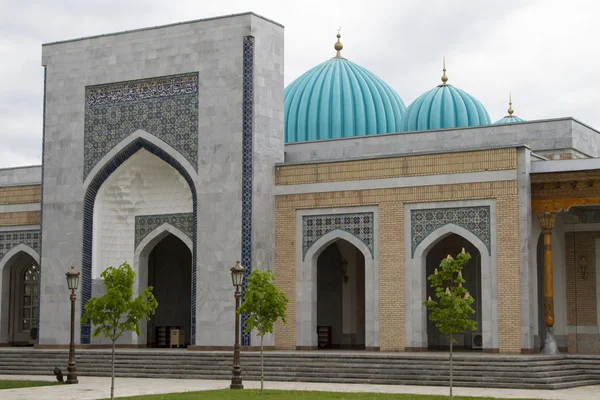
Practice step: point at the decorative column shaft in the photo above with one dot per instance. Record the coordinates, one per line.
(547, 223)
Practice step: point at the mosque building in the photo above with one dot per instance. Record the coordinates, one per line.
(177, 149)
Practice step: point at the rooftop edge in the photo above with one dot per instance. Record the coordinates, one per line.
(163, 26)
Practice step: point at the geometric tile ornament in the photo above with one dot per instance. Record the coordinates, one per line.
(247, 148)
(145, 224)
(88, 222)
(358, 224)
(474, 219)
(166, 107)
(10, 239)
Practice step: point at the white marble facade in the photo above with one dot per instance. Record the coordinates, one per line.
(214, 51)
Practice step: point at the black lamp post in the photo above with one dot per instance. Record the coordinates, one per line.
(72, 283)
(237, 277)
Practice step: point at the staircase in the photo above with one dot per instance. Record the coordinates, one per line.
(474, 370)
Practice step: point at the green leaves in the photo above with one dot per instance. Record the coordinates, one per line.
(117, 311)
(264, 303)
(452, 311)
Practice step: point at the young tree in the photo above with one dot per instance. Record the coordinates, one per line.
(264, 304)
(452, 312)
(117, 311)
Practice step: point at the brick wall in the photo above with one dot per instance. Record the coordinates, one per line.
(20, 194)
(391, 229)
(13, 195)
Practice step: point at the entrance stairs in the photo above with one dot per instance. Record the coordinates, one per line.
(474, 370)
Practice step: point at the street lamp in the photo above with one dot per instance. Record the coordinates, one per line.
(72, 283)
(237, 278)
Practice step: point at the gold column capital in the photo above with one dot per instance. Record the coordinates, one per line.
(547, 221)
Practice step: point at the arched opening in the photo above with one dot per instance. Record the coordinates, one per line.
(20, 292)
(135, 182)
(341, 297)
(453, 244)
(169, 273)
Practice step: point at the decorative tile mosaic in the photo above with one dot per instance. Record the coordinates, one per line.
(42, 192)
(10, 239)
(88, 221)
(144, 224)
(247, 131)
(474, 219)
(166, 107)
(314, 227)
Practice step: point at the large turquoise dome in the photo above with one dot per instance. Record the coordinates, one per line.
(339, 98)
(444, 106)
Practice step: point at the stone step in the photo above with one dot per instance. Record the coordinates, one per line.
(478, 371)
(563, 385)
(493, 371)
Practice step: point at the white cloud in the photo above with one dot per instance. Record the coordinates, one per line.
(542, 50)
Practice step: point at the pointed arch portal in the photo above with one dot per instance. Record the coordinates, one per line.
(19, 296)
(164, 153)
(416, 332)
(307, 309)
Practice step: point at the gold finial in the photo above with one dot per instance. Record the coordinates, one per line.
(444, 77)
(338, 46)
(510, 109)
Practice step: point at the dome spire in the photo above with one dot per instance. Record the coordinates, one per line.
(338, 46)
(444, 77)
(510, 109)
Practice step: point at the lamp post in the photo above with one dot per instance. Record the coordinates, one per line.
(237, 277)
(72, 283)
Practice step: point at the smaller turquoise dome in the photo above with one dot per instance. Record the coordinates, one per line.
(510, 118)
(444, 106)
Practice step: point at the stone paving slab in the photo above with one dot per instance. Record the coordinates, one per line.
(93, 388)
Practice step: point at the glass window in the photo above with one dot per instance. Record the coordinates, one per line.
(29, 312)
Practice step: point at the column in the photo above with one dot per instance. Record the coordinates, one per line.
(547, 224)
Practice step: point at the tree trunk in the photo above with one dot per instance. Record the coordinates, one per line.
(112, 374)
(262, 373)
(451, 340)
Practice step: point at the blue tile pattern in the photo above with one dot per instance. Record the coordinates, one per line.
(166, 107)
(88, 221)
(247, 132)
(10, 239)
(42, 198)
(476, 220)
(360, 225)
(145, 224)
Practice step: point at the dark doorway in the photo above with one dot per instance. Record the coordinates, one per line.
(341, 297)
(453, 244)
(169, 273)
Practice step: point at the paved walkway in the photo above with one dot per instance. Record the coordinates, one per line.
(92, 388)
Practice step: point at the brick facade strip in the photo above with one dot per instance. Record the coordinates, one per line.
(20, 218)
(20, 194)
(406, 166)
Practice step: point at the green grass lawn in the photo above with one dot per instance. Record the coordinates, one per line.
(24, 384)
(289, 395)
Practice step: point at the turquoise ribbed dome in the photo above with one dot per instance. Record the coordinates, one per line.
(444, 106)
(509, 119)
(338, 98)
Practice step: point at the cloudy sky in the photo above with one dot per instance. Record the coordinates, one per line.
(544, 51)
